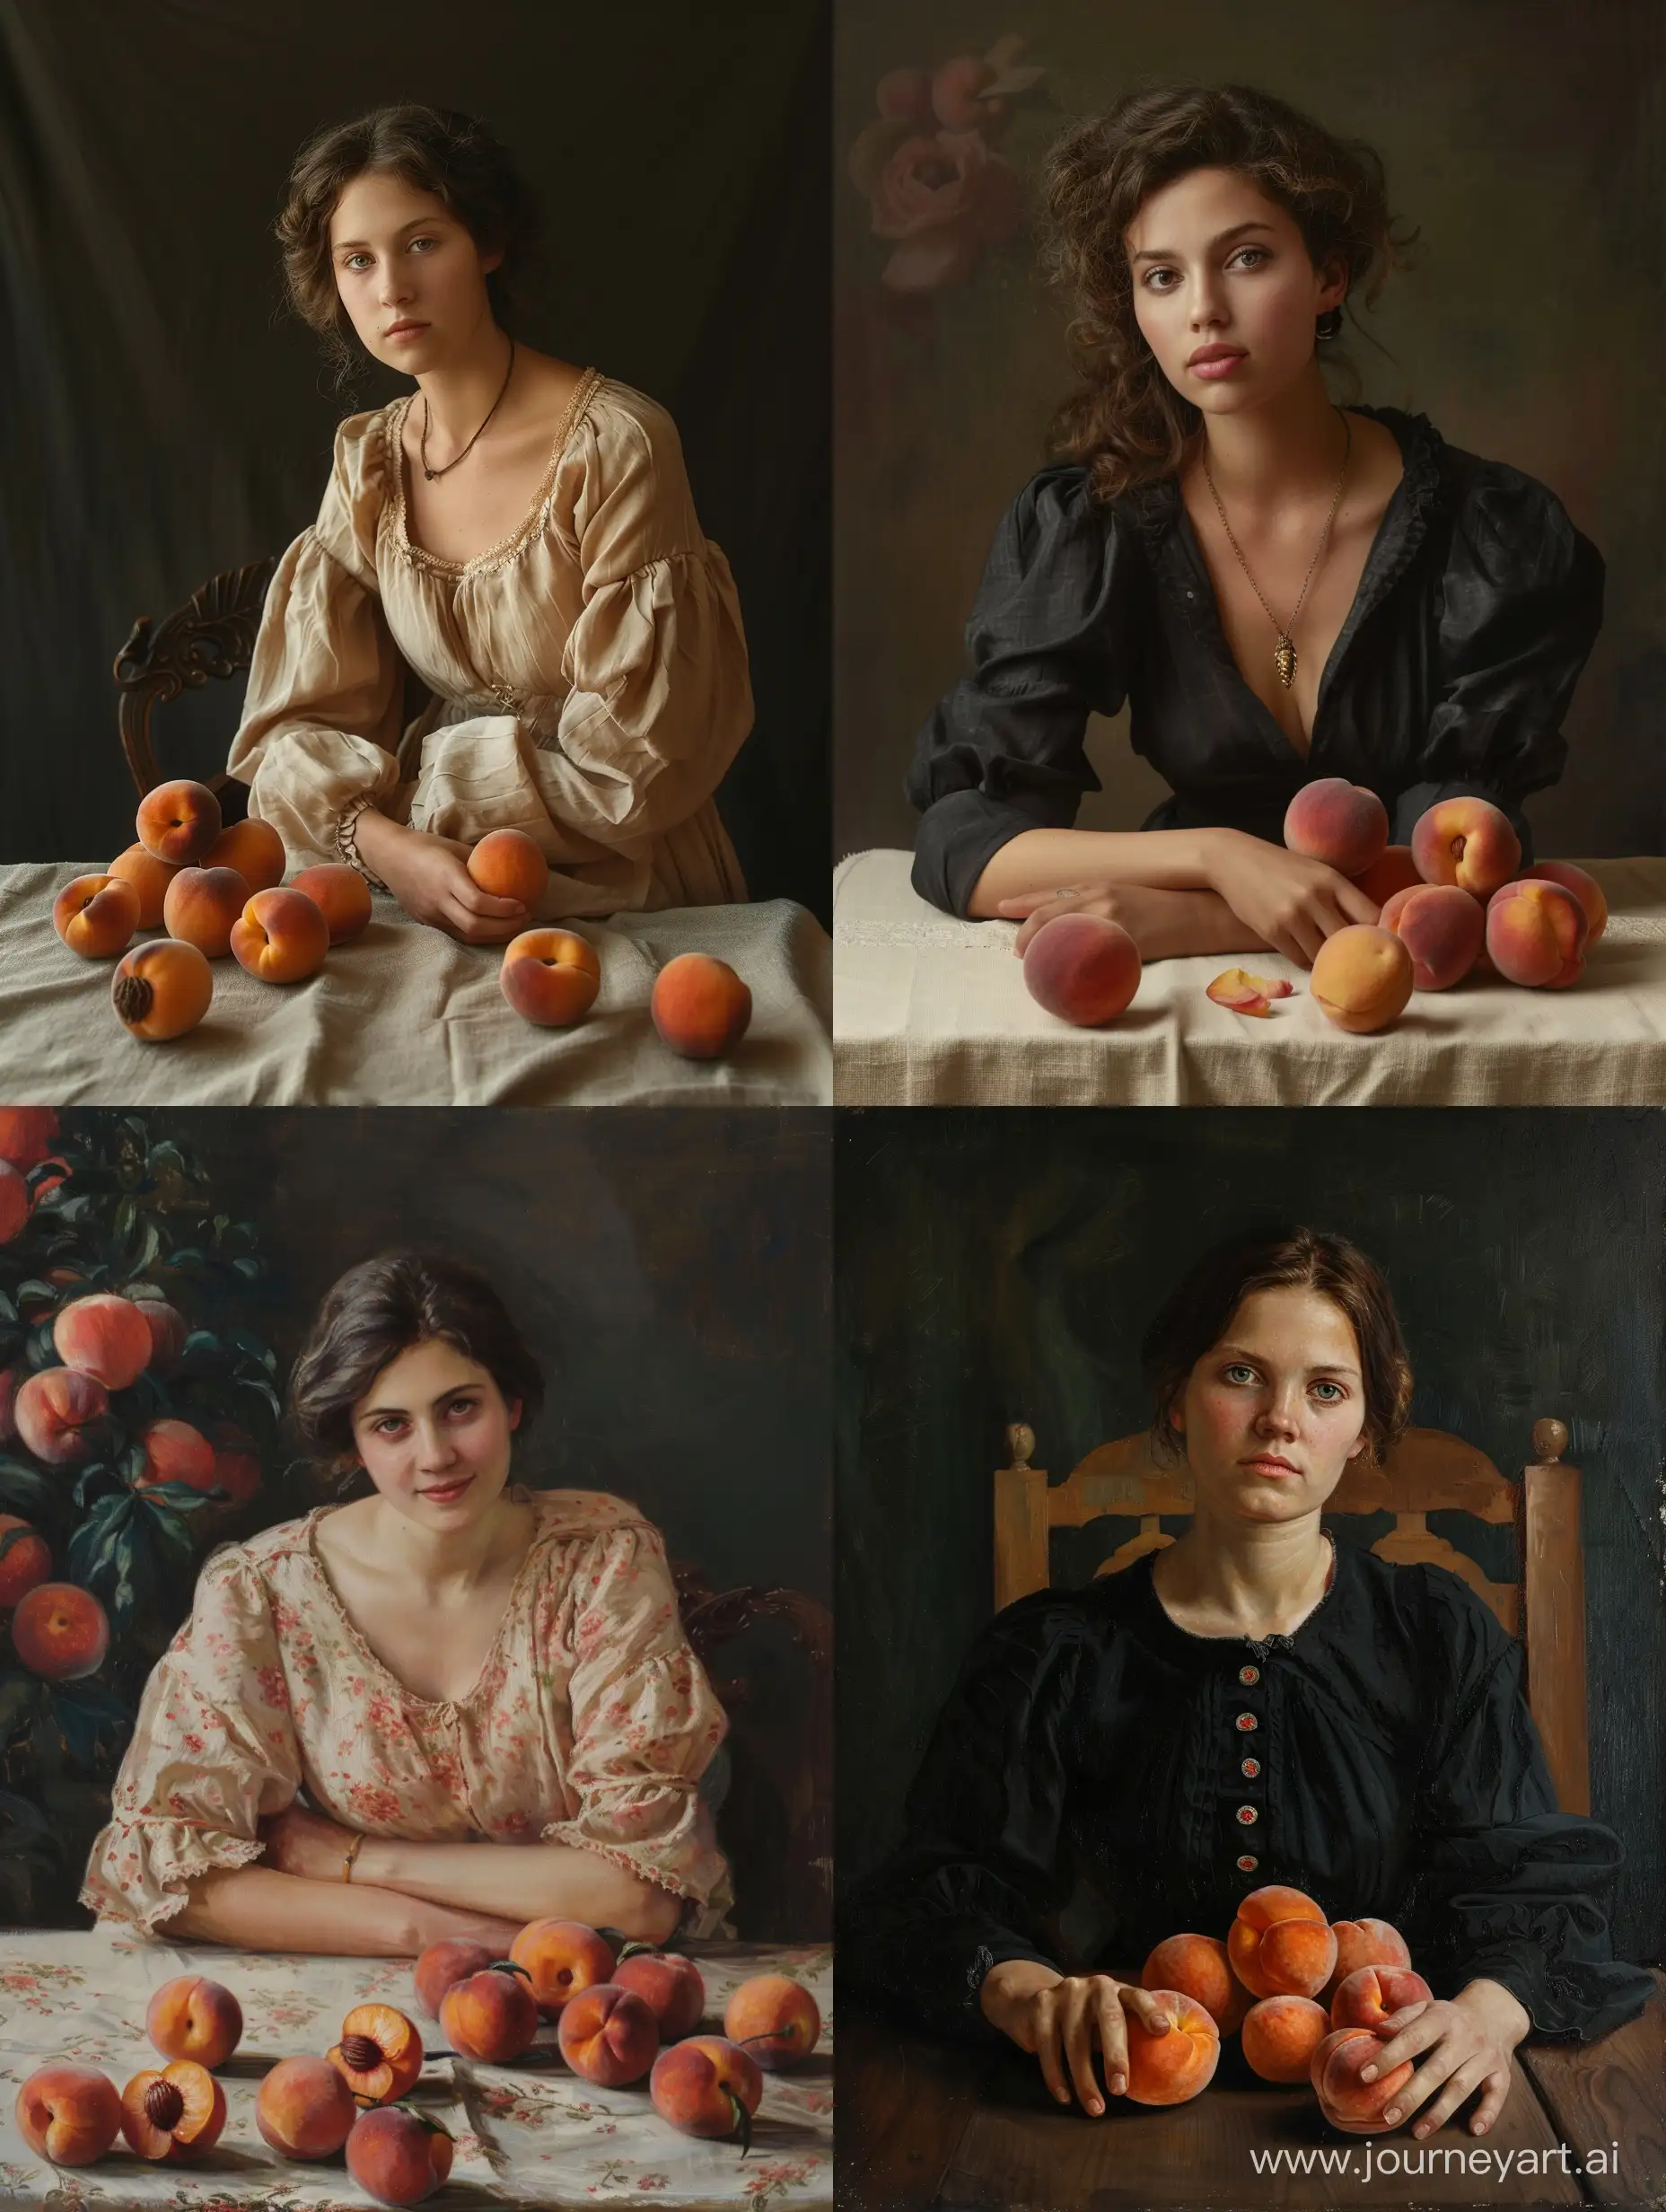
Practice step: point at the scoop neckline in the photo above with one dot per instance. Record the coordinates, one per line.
(1261, 1645)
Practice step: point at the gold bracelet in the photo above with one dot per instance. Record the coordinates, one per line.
(352, 1853)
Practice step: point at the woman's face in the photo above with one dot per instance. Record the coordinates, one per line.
(1275, 1411)
(433, 1434)
(401, 258)
(1223, 290)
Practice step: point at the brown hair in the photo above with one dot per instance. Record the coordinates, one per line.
(1125, 420)
(1196, 1315)
(383, 1307)
(437, 150)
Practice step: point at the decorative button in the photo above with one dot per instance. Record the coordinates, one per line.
(1249, 1676)
(1248, 1816)
(1245, 1723)
(1250, 1768)
(1248, 1864)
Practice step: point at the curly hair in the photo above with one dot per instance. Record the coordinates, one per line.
(1197, 1314)
(1126, 421)
(437, 150)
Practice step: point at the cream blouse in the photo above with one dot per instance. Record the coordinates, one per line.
(589, 673)
(591, 1724)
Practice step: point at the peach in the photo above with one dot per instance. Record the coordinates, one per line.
(1083, 968)
(1585, 888)
(1345, 825)
(700, 1007)
(175, 1452)
(202, 906)
(254, 849)
(1363, 1941)
(562, 1957)
(1198, 1967)
(707, 2086)
(670, 1985)
(341, 896)
(1170, 2067)
(178, 821)
(68, 2113)
(550, 975)
(168, 1333)
(1441, 928)
(27, 1134)
(60, 1631)
(11, 1378)
(174, 2115)
(1537, 933)
(1354, 2106)
(236, 1463)
(104, 1336)
(1280, 2036)
(150, 877)
(492, 2015)
(25, 1558)
(161, 989)
(56, 1414)
(380, 2055)
(398, 2157)
(1396, 870)
(1365, 1998)
(444, 1962)
(608, 2034)
(96, 916)
(1362, 978)
(280, 936)
(1468, 842)
(775, 2019)
(14, 1202)
(1280, 1942)
(192, 2017)
(509, 865)
(304, 2108)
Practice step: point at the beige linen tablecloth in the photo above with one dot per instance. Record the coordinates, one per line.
(406, 1016)
(930, 1011)
(529, 2134)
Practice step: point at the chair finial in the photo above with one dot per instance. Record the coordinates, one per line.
(1021, 1441)
(1549, 1440)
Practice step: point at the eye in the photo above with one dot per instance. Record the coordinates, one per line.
(351, 258)
(463, 1408)
(1239, 1371)
(389, 1424)
(424, 241)
(1257, 254)
(1151, 275)
(1336, 1390)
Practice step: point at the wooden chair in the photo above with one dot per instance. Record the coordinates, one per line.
(212, 634)
(1428, 1471)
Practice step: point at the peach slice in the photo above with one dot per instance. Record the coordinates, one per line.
(608, 2035)
(1280, 2036)
(60, 1631)
(104, 1336)
(707, 2086)
(68, 2113)
(1280, 1943)
(1354, 2106)
(1083, 968)
(1198, 1967)
(304, 2108)
(178, 821)
(1173, 2067)
(96, 916)
(380, 2055)
(1363, 977)
(399, 2155)
(192, 2017)
(254, 849)
(58, 1413)
(562, 1957)
(670, 1985)
(1244, 993)
(341, 896)
(150, 877)
(162, 989)
(550, 975)
(1344, 824)
(280, 936)
(509, 865)
(175, 2115)
(776, 2018)
(25, 1559)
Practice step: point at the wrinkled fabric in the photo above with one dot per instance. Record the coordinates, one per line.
(590, 1722)
(1400, 1777)
(589, 672)
(1477, 609)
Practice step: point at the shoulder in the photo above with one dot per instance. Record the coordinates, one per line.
(259, 1555)
(363, 448)
(1058, 509)
(625, 420)
(1500, 514)
(590, 1516)
(1437, 1610)
(1042, 1637)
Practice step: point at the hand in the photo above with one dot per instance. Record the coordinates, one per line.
(429, 877)
(1164, 924)
(1112, 902)
(299, 1842)
(1061, 2017)
(434, 1924)
(1468, 2039)
(1292, 903)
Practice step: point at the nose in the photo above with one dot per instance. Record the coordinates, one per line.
(394, 290)
(1279, 1413)
(435, 1449)
(1208, 310)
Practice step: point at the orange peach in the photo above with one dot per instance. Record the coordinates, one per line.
(509, 865)
(25, 1558)
(27, 1134)
(1169, 2067)
(254, 849)
(280, 936)
(1441, 928)
(1280, 1942)
(1083, 968)
(178, 821)
(1354, 2106)
(60, 1631)
(700, 1007)
(175, 2114)
(1365, 1998)
(1198, 1967)
(1363, 1941)
(1537, 933)
(1280, 2036)
(1362, 978)
(104, 1336)
(201, 907)
(192, 2017)
(341, 896)
(380, 2055)
(175, 1452)
(161, 989)
(444, 1962)
(608, 2035)
(168, 1333)
(16, 1205)
(776, 2018)
(670, 1985)
(304, 2108)
(491, 2016)
(96, 916)
(68, 2113)
(236, 1463)
(399, 2155)
(150, 877)
(550, 975)
(56, 1413)
(707, 2086)
(1586, 889)
(1344, 824)
(562, 1957)
(1468, 842)
(1396, 870)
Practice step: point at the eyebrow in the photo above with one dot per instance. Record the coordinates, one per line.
(1165, 253)
(417, 223)
(402, 1413)
(1323, 1366)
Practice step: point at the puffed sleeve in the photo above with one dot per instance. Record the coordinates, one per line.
(645, 1721)
(214, 1751)
(321, 729)
(1048, 645)
(1521, 604)
(979, 1863)
(1509, 1889)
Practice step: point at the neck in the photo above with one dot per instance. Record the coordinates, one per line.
(462, 394)
(439, 1565)
(1257, 1574)
(1291, 447)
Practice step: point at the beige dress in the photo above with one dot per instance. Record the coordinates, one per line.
(589, 673)
(591, 1724)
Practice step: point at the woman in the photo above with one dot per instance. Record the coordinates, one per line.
(484, 1691)
(1253, 1704)
(518, 534)
(1280, 589)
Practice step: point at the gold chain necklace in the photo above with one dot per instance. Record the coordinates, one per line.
(423, 441)
(1285, 653)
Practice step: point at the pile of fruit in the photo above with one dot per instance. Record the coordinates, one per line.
(620, 2018)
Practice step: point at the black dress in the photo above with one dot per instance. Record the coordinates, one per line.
(1381, 1758)
(1477, 609)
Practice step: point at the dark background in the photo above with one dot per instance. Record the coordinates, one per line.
(166, 419)
(1003, 1266)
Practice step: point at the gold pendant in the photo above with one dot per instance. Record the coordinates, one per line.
(1285, 661)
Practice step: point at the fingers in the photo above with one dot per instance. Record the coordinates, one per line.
(1113, 2036)
(1079, 2022)
(482, 929)
(1027, 901)
(1496, 2095)
(1401, 2040)
(1047, 2023)
(1038, 919)
(1354, 903)
(1457, 2086)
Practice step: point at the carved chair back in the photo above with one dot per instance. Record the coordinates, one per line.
(213, 634)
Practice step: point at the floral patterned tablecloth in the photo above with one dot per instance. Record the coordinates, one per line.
(527, 2135)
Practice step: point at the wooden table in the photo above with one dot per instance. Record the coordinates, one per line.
(925, 2123)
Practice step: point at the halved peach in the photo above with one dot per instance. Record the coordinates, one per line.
(173, 2116)
(380, 2055)
(161, 989)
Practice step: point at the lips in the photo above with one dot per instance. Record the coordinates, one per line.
(1206, 354)
(446, 1491)
(405, 329)
(1269, 1463)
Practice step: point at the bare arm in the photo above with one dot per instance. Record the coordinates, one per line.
(1044, 859)
(256, 1909)
(527, 1880)
(429, 877)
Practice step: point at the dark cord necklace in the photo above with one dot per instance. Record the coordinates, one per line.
(423, 445)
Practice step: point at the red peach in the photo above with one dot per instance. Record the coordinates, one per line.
(254, 849)
(1586, 889)
(1365, 1942)
(96, 916)
(1170, 2067)
(776, 2018)
(1362, 978)
(1280, 2036)
(700, 1007)
(68, 2113)
(608, 2034)
(1345, 825)
(1365, 1998)
(161, 989)
(1280, 1942)
(27, 1134)
(150, 877)
(168, 1333)
(56, 1411)
(1395, 871)
(202, 906)
(1354, 2106)
(1083, 968)
(1537, 933)
(508, 863)
(175, 1452)
(707, 2086)
(341, 896)
(398, 2156)
(60, 1632)
(670, 1985)
(280, 936)
(1468, 842)
(14, 1202)
(550, 975)
(104, 1336)
(443, 1963)
(25, 1558)
(491, 2016)
(304, 2108)
(1441, 928)
(236, 1463)
(192, 2017)
(563, 1957)
(1198, 1967)
(178, 821)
